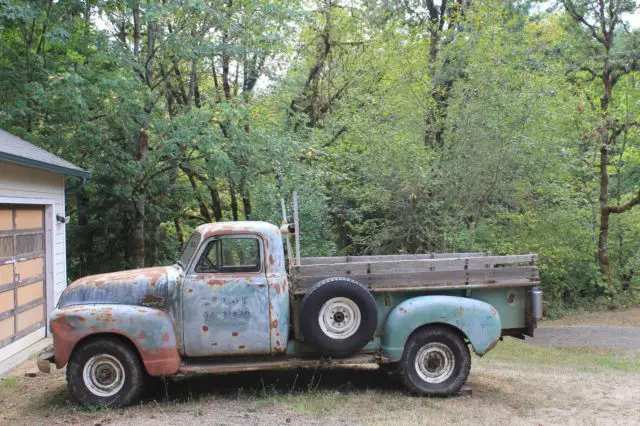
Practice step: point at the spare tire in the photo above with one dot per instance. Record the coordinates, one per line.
(338, 316)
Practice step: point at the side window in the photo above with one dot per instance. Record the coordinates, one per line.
(240, 255)
(230, 255)
(209, 260)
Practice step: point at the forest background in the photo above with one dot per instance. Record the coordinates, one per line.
(406, 126)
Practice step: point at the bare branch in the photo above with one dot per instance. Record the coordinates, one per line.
(571, 10)
(626, 206)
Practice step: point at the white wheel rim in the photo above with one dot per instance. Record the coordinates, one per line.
(435, 362)
(103, 375)
(339, 318)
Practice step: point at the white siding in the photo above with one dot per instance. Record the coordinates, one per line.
(28, 183)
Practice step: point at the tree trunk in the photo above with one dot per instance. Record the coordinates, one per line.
(234, 198)
(139, 203)
(179, 233)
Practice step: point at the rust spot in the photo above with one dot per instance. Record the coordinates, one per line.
(241, 347)
(205, 328)
(165, 337)
(215, 282)
(274, 324)
(81, 319)
(277, 334)
(151, 300)
(106, 315)
(190, 290)
(403, 310)
(234, 334)
(510, 298)
(214, 344)
(140, 336)
(272, 259)
(278, 343)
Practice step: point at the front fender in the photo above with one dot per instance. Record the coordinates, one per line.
(150, 330)
(479, 321)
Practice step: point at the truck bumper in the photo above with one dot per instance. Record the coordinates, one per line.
(45, 358)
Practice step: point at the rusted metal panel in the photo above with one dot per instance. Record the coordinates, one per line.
(226, 314)
(150, 330)
(364, 362)
(239, 313)
(479, 321)
(144, 287)
(278, 313)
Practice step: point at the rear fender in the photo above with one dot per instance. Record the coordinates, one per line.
(478, 321)
(150, 330)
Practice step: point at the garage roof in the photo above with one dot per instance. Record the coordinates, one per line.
(18, 151)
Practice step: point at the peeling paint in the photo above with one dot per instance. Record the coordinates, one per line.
(153, 336)
(467, 315)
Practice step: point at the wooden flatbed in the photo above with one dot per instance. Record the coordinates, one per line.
(419, 271)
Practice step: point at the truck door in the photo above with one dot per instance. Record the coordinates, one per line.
(225, 307)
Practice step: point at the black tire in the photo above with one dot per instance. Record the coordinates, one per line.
(356, 295)
(102, 352)
(438, 344)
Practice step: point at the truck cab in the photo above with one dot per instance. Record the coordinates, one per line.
(229, 304)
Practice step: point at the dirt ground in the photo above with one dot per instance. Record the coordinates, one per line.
(517, 383)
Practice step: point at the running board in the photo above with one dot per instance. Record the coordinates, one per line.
(358, 362)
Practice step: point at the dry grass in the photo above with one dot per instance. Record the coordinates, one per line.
(622, 318)
(515, 384)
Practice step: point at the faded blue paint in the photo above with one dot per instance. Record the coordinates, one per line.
(509, 302)
(225, 314)
(143, 287)
(150, 330)
(479, 321)
(278, 312)
(237, 313)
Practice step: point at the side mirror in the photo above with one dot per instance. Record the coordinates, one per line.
(288, 229)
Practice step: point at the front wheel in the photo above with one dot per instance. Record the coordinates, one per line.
(105, 372)
(436, 362)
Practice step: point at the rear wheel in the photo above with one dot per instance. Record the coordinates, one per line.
(105, 372)
(436, 362)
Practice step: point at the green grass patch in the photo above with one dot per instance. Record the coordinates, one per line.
(583, 358)
(8, 384)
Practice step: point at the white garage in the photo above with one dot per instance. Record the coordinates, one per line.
(32, 240)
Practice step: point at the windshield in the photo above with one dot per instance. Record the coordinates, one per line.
(189, 249)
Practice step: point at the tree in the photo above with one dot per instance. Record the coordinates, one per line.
(603, 73)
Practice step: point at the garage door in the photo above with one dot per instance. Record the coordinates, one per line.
(22, 276)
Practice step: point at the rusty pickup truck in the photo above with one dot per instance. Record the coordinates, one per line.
(231, 304)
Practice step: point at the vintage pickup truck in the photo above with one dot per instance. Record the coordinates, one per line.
(230, 305)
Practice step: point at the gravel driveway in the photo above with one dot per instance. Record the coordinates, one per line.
(619, 338)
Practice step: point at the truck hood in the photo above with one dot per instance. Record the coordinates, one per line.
(144, 287)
